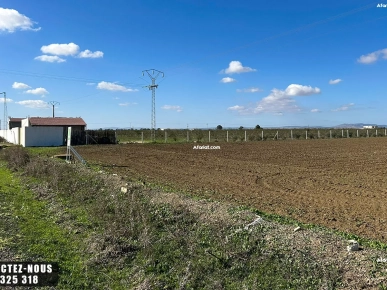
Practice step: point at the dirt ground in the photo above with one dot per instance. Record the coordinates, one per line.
(339, 183)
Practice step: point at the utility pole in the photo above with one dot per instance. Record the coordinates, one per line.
(53, 103)
(153, 87)
(5, 111)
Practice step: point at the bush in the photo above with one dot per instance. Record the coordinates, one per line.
(16, 157)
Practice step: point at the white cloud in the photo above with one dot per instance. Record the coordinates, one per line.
(60, 49)
(89, 54)
(174, 108)
(344, 107)
(279, 100)
(11, 20)
(17, 85)
(35, 104)
(127, 104)
(315, 111)
(236, 67)
(334, 82)
(236, 108)
(37, 91)
(90, 84)
(50, 58)
(7, 100)
(373, 56)
(114, 87)
(299, 90)
(249, 90)
(227, 80)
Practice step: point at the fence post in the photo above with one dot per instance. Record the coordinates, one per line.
(291, 134)
(209, 136)
(142, 137)
(227, 136)
(187, 136)
(277, 135)
(245, 137)
(306, 134)
(262, 135)
(330, 134)
(367, 133)
(342, 133)
(347, 134)
(318, 134)
(165, 136)
(376, 132)
(357, 133)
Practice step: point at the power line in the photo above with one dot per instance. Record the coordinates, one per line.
(66, 78)
(289, 32)
(153, 87)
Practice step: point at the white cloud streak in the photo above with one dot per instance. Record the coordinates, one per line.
(373, 56)
(114, 87)
(89, 54)
(60, 49)
(227, 80)
(173, 108)
(19, 86)
(236, 67)
(34, 104)
(335, 82)
(11, 20)
(126, 104)
(315, 111)
(344, 107)
(278, 100)
(236, 108)
(8, 100)
(37, 91)
(249, 90)
(50, 58)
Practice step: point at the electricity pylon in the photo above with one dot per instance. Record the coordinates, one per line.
(5, 111)
(53, 103)
(153, 87)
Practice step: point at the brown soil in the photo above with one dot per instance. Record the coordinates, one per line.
(339, 184)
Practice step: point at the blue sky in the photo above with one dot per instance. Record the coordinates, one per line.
(234, 63)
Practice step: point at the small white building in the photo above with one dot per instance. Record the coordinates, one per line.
(369, 127)
(36, 131)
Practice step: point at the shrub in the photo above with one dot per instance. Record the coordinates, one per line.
(16, 157)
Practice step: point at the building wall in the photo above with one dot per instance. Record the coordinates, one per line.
(41, 136)
(12, 136)
(25, 122)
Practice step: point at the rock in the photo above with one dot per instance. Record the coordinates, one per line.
(124, 189)
(258, 220)
(353, 246)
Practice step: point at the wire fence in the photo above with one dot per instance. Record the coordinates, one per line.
(242, 135)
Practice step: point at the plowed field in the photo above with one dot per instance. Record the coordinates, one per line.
(340, 183)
